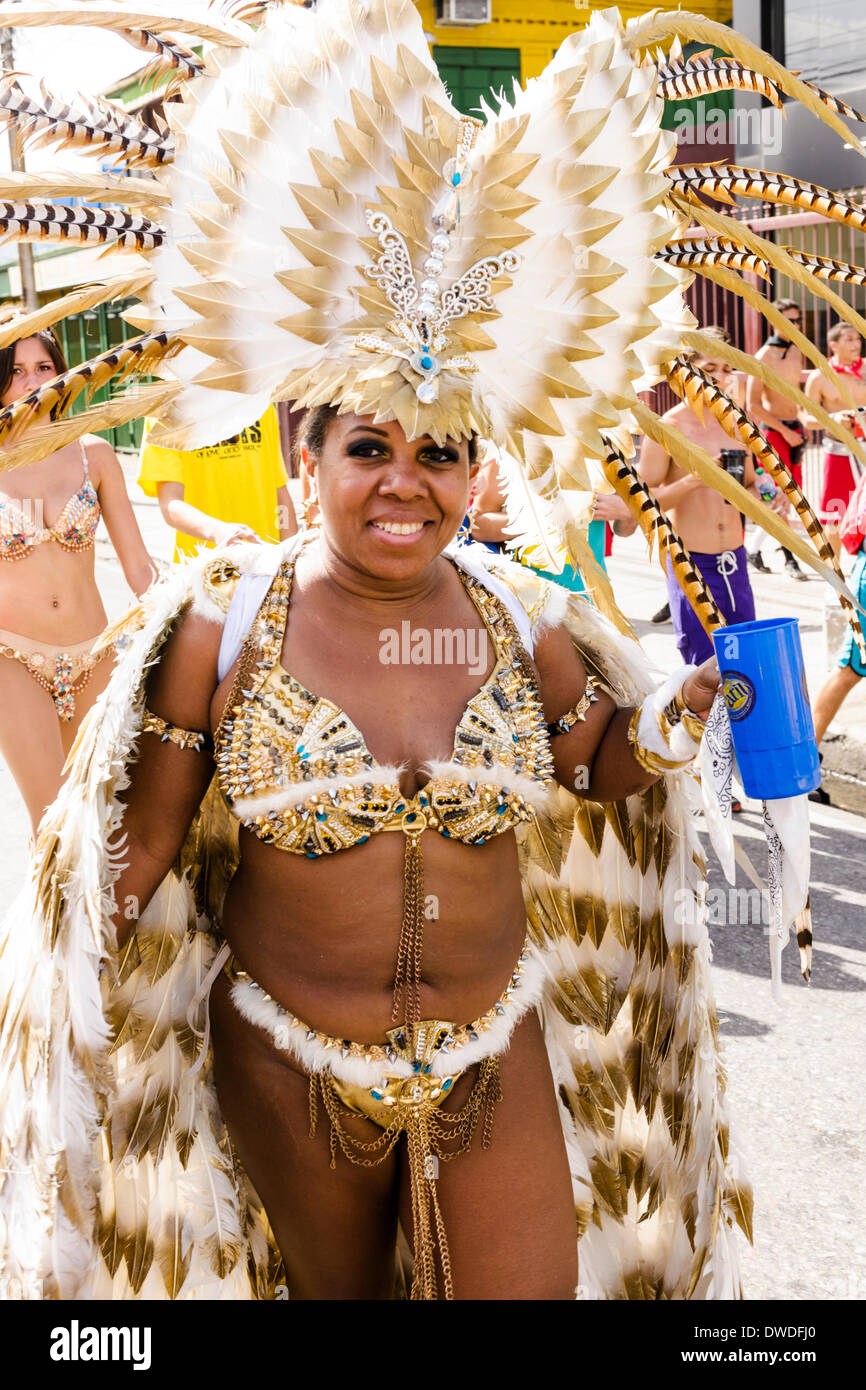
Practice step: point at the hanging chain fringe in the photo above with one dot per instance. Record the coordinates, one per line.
(431, 1134)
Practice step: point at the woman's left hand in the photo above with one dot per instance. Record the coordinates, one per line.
(701, 688)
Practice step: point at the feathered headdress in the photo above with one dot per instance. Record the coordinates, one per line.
(325, 227)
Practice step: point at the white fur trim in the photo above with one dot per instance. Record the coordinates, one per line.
(553, 611)
(681, 746)
(292, 1036)
(284, 798)
(471, 558)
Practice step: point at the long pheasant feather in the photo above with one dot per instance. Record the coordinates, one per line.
(139, 356)
(744, 362)
(690, 252)
(655, 525)
(92, 226)
(826, 268)
(97, 127)
(700, 76)
(723, 181)
(696, 388)
(46, 439)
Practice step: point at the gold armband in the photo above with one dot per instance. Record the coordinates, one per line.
(577, 712)
(170, 733)
(663, 733)
(678, 712)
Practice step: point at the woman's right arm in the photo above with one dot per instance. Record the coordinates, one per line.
(167, 782)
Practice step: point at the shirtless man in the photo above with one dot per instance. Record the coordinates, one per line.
(774, 412)
(710, 527)
(841, 469)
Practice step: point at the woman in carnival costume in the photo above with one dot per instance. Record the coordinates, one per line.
(54, 670)
(243, 1022)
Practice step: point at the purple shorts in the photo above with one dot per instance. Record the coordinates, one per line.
(727, 577)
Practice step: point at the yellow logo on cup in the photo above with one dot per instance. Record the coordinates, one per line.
(739, 694)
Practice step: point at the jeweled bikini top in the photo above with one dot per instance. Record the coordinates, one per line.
(74, 529)
(276, 736)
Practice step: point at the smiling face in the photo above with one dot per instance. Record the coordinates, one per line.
(31, 369)
(389, 505)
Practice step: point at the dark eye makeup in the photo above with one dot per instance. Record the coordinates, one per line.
(375, 449)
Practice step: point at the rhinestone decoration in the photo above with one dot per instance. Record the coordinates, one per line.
(74, 529)
(280, 735)
(424, 311)
(401, 1045)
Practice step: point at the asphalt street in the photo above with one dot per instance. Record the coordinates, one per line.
(795, 1070)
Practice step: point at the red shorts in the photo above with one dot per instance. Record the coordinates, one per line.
(783, 449)
(839, 483)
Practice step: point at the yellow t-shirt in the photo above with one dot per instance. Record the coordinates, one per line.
(235, 480)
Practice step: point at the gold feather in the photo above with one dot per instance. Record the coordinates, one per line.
(46, 439)
(43, 187)
(19, 325)
(688, 27)
(730, 280)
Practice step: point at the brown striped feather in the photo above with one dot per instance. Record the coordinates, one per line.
(728, 226)
(730, 179)
(139, 357)
(631, 488)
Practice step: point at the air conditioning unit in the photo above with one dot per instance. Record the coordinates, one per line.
(466, 13)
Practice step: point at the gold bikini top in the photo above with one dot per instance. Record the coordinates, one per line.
(298, 774)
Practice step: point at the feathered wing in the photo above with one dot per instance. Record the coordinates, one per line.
(614, 900)
(117, 1177)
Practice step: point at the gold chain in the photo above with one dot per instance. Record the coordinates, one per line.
(407, 975)
(428, 1130)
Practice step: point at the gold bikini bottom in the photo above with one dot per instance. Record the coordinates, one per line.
(401, 1085)
(62, 671)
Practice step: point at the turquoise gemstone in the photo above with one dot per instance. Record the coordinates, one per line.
(446, 1084)
(321, 815)
(377, 1095)
(426, 362)
(416, 1066)
(455, 179)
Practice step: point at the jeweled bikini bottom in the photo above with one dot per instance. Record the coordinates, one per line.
(62, 671)
(401, 1085)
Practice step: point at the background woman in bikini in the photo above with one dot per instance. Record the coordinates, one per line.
(51, 612)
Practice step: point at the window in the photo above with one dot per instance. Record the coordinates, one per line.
(470, 73)
(826, 41)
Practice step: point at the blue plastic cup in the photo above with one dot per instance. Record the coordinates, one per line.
(764, 685)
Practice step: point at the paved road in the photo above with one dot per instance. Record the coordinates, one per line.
(795, 1072)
